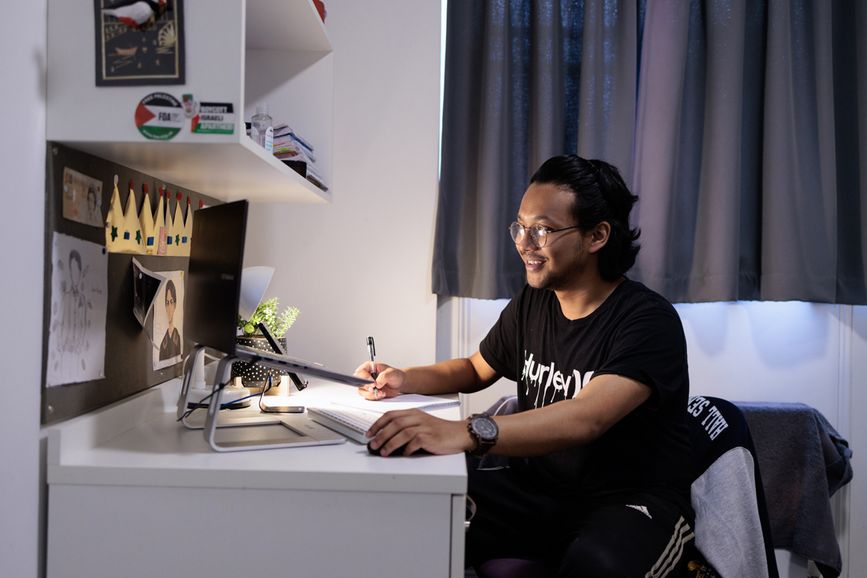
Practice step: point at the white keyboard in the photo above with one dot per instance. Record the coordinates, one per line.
(351, 422)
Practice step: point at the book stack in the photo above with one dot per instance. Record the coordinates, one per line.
(297, 153)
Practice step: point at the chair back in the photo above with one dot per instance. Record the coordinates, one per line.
(731, 528)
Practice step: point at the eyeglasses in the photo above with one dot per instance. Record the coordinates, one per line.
(538, 233)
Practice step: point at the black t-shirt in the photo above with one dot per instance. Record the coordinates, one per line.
(635, 333)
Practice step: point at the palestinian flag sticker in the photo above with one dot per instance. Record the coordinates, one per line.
(159, 116)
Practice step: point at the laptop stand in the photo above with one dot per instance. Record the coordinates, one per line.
(247, 432)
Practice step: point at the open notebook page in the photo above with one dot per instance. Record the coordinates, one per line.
(405, 401)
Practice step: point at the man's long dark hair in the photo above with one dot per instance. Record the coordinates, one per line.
(600, 195)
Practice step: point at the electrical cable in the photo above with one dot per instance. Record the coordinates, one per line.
(228, 405)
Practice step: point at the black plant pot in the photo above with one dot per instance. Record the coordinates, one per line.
(257, 375)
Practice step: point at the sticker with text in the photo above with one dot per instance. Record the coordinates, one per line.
(214, 118)
(159, 116)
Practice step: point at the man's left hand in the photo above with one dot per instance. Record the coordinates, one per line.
(418, 430)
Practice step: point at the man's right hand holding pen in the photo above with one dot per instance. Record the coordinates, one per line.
(407, 431)
(386, 381)
(410, 430)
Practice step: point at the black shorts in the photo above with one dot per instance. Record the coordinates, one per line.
(630, 534)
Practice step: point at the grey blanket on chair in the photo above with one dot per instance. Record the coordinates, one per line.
(803, 461)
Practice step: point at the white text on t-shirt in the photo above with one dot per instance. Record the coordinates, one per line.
(541, 377)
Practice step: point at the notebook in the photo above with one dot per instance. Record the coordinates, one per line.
(405, 401)
(352, 423)
(353, 417)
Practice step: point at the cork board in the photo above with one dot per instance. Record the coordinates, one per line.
(94, 349)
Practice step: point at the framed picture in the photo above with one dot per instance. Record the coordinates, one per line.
(139, 42)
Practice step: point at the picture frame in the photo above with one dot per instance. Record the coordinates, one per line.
(139, 43)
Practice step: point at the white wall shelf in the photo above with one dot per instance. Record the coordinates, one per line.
(287, 26)
(242, 52)
(226, 171)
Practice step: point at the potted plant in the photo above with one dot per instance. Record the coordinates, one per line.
(277, 322)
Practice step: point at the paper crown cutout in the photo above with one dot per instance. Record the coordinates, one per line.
(146, 218)
(176, 227)
(113, 220)
(146, 232)
(160, 223)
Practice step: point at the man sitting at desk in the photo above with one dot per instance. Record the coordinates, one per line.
(598, 478)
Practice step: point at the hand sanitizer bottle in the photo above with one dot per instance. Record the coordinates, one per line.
(261, 129)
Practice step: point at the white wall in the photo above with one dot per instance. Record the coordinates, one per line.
(855, 494)
(791, 352)
(22, 164)
(361, 265)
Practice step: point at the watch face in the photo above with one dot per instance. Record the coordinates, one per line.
(485, 428)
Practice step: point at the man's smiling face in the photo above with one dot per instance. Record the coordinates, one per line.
(560, 262)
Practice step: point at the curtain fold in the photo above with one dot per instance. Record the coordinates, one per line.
(697, 168)
(799, 210)
(738, 123)
(610, 61)
(850, 90)
(510, 102)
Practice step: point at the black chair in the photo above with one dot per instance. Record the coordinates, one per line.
(732, 532)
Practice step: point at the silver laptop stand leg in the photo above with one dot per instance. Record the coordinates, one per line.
(183, 396)
(214, 405)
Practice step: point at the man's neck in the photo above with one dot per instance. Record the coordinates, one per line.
(582, 301)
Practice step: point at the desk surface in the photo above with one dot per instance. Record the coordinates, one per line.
(140, 483)
(159, 451)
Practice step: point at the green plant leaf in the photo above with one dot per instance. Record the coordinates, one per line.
(268, 313)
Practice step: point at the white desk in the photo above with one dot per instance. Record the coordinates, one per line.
(134, 494)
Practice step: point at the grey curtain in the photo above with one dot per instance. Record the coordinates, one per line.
(736, 122)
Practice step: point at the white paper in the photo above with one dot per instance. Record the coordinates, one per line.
(405, 401)
(145, 286)
(254, 282)
(76, 329)
(168, 315)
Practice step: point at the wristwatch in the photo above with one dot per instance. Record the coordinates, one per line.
(484, 432)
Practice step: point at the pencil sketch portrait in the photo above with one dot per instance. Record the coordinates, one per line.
(76, 339)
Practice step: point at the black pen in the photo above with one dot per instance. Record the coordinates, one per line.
(371, 350)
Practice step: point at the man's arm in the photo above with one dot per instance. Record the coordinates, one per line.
(463, 375)
(604, 401)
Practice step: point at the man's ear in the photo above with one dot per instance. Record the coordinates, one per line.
(599, 236)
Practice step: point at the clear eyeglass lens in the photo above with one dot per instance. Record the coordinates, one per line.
(537, 234)
(516, 231)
